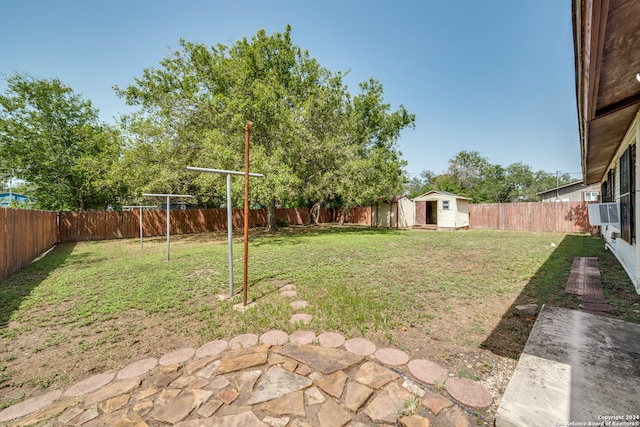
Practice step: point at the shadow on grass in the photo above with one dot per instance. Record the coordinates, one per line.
(547, 286)
(16, 288)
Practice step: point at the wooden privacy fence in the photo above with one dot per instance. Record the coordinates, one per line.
(101, 225)
(566, 217)
(24, 235)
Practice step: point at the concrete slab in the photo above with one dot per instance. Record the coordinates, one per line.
(576, 367)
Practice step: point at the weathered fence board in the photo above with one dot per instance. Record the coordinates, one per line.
(24, 235)
(535, 216)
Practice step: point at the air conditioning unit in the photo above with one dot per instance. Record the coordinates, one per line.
(604, 214)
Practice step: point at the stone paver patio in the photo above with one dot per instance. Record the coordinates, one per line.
(296, 380)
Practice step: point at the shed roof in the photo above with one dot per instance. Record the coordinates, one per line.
(441, 193)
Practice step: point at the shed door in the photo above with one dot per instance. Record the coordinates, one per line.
(421, 213)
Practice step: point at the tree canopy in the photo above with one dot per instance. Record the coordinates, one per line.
(311, 139)
(51, 137)
(472, 175)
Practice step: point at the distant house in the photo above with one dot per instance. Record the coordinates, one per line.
(441, 210)
(398, 213)
(7, 198)
(573, 192)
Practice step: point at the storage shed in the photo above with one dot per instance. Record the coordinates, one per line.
(441, 210)
(399, 213)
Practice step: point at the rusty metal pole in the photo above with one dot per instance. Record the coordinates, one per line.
(246, 211)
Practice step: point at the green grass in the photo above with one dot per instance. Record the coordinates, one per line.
(356, 280)
(455, 287)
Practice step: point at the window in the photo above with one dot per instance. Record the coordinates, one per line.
(445, 205)
(591, 196)
(627, 193)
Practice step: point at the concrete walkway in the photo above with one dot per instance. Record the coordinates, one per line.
(577, 368)
(297, 380)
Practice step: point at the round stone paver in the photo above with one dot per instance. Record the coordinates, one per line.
(177, 356)
(90, 384)
(391, 356)
(288, 293)
(330, 339)
(297, 305)
(29, 406)
(274, 337)
(360, 346)
(243, 341)
(137, 369)
(303, 318)
(212, 348)
(426, 371)
(302, 337)
(469, 393)
(288, 288)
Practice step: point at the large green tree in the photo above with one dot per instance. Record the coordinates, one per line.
(472, 175)
(51, 138)
(309, 135)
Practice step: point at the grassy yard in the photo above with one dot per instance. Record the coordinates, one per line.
(89, 307)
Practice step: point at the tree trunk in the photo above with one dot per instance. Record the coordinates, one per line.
(315, 213)
(343, 215)
(272, 226)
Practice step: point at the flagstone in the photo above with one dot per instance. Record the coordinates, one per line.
(113, 390)
(177, 409)
(277, 382)
(435, 403)
(333, 415)
(198, 364)
(323, 359)
(209, 408)
(111, 405)
(276, 422)
(314, 396)
(142, 408)
(387, 406)
(228, 395)
(334, 384)
(356, 394)
(209, 370)
(245, 381)
(236, 360)
(289, 404)
(373, 375)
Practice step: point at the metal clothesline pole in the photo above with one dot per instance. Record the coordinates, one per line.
(228, 173)
(140, 215)
(168, 196)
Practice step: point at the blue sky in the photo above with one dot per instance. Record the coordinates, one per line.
(492, 76)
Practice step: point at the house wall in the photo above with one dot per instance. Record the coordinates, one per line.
(627, 253)
(574, 193)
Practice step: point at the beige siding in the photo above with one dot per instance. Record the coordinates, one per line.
(399, 214)
(462, 213)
